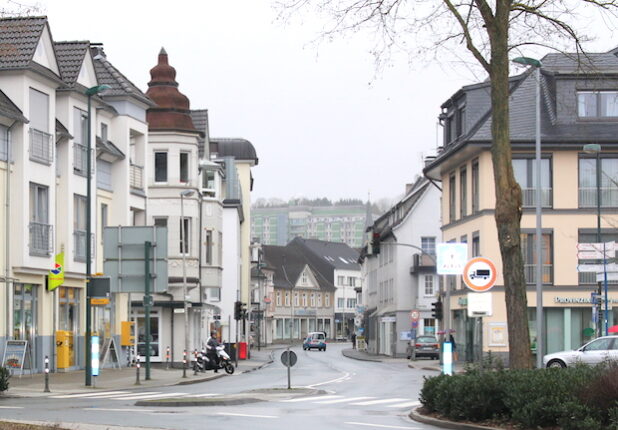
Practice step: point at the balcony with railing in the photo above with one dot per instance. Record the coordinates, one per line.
(41, 243)
(80, 159)
(136, 177)
(588, 197)
(529, 197)
(41, 147)
(547, 274)
(79, 237)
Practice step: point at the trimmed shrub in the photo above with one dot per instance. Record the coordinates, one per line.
(4, 379)
(578, 398)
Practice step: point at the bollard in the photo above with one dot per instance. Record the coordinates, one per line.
(46, 390)
(195, 355)
(184, 363)
(167, 358)
(137, 367)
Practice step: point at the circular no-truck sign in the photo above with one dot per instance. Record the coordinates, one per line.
(414, 315)
(480, 274)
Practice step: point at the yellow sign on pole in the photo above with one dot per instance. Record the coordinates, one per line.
(56, 275)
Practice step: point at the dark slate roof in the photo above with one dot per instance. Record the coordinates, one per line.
(70, 57)
(239, 148)
(335, 254)
(120, 85)
(62, 132)
(109, 148)
(9, 110)
(397, 213)
(19, 38)
(564, 131)
(288, 263)
(200, 121)
(606, 62)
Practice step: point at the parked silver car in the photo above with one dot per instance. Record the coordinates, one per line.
(592, 353)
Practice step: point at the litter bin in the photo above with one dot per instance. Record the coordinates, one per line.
(242, 350)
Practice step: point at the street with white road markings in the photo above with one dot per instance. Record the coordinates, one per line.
(345, 393)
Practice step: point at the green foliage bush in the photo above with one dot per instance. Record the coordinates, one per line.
(4, 379)
(578, 398)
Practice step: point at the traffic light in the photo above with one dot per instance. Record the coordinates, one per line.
(436, 310)
(237, 310)
(243, 311)
(375, 243)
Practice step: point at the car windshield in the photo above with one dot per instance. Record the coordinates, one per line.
(426, 339)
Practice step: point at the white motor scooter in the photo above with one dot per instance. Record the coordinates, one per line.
(224, 361)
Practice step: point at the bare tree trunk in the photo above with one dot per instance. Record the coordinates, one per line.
(508, 195)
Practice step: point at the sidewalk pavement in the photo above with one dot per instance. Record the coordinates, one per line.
(433, 365)
(124, 378)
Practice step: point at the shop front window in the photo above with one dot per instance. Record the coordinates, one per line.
(68, 315)
(24, 313)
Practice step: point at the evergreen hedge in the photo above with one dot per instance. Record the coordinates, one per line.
(4, 379)
(577, 398)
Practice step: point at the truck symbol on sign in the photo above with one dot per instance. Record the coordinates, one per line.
(480, 274)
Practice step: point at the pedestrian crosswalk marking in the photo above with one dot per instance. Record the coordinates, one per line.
(350, 399)
(129, 395)
(404, 405)
(308, 399)
(126, 395)
(204, 395)
(377, 402)
(149, 396)
(75, 396)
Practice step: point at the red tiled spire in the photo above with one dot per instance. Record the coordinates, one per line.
(172, 112)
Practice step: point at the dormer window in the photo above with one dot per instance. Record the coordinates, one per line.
(597, 104)
(454, 123)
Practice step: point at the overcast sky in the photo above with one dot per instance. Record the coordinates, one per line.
(323, 121)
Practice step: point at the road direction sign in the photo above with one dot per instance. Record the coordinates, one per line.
(480, 274)
(414, 315)
(598, 268)
(611, 276)
(594, 251)
(288, 357)
(451, 258)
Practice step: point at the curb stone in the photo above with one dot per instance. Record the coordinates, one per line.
(230, 400)
(76, 426)
(416, 416)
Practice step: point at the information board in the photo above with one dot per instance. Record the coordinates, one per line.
(16, 352)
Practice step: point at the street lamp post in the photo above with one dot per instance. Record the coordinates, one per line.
(538, 231)
(89, 93)
(185, 292)
(595, 148)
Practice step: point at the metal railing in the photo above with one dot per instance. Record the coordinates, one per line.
(136, 177)
(79, 238)
(529, 197)
(41, 147)
(547, 274)
(80, 159)
(40, 238)
(590, 278)
(588, 197)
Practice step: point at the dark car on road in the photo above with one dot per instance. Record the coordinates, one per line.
(425, 346)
